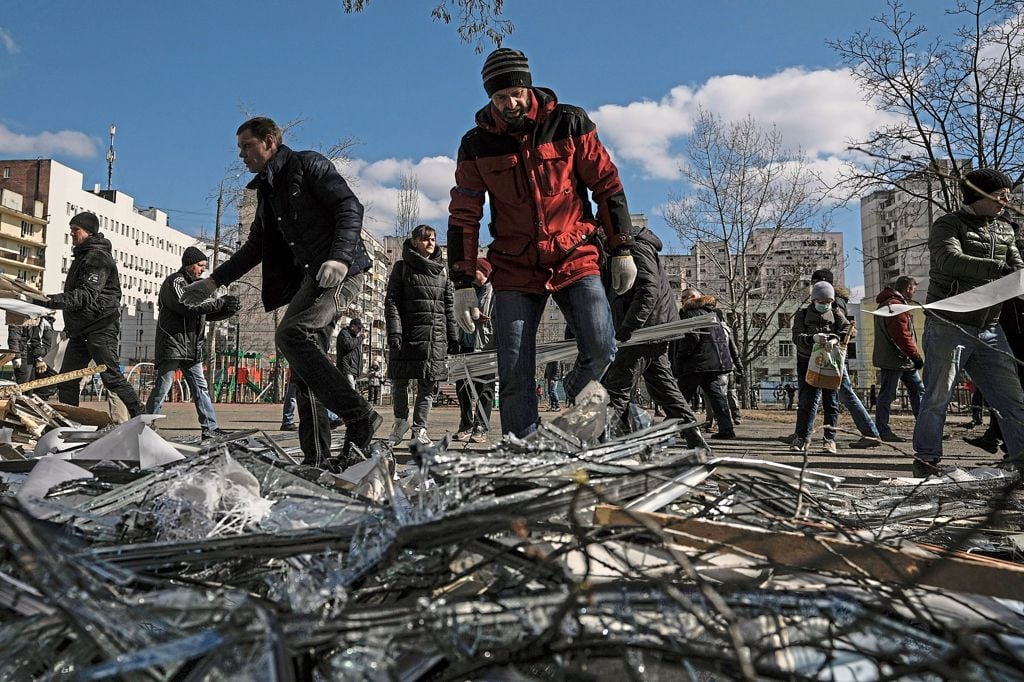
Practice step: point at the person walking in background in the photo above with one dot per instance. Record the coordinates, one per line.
(533, 160)
(476, 398)
(819, 322)
(701, 357)
(91, 302)
(421, 329)
(349, 351)
(31, 343)
(181, 339)
(896, 355)
(306, 233)
(373, 381)
(552, 375)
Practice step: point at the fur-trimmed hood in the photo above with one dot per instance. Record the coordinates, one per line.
(701, 302)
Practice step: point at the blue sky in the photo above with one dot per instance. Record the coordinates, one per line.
(177, 78)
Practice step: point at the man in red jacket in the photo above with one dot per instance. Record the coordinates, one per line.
(535, 159)
(896, 355)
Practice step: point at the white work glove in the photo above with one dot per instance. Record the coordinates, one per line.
(831, 343)
(623, 273)
(820, 338)
(197, 292)
(41, 366)
(16, 362)
(331, 274)
(467, 309)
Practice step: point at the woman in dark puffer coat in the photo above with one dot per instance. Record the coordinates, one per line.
(421, 329)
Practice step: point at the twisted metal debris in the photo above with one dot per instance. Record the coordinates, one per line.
(566, 555)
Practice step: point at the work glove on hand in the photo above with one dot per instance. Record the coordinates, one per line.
(16, 362)
(197, 292)
(831, 343)
(395, 342)
(623, 273)
(820, 338)
(467, 309)
(331, 274)
(55, 301)
(622, 334)
(41, 366)
(918, 363)
(231, 305)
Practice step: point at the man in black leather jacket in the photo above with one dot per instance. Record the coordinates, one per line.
(306, 235)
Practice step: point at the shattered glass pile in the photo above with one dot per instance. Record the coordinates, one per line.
(566, 555)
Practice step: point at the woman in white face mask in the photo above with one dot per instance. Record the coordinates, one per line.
(823, 322)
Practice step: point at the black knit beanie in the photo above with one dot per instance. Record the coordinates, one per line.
(506, 68)
(87, 221)
(192, 256)
(987, 180)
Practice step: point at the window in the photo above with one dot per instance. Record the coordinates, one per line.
(759, 320)
(785, 349)
(785, 320)
(7, 171)
(26, 228)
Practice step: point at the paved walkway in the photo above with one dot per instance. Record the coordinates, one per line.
(757, 437)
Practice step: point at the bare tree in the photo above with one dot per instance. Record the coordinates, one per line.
(408, 214)
(744, 196)
(956, 99)
(479, 21)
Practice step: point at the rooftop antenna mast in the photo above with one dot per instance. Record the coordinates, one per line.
(111, 155)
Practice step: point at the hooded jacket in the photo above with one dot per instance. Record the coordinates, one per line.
(895, 338)
(181, 329)
(706, 350)
(92, 291)
(32, 342)
(537, 179)
(418, 307)
(349, 352)
(968, 250)
(650, 301)
(305, 215)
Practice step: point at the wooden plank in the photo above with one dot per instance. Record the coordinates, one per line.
(83, 415)
(818, 551)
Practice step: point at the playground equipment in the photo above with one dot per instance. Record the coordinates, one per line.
(245, 377)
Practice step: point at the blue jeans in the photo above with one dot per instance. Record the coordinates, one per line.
(517, 316)
(986, 356)
(889, 380)
(290, 404)
(858, 412)
(196, 380)
(807, 404)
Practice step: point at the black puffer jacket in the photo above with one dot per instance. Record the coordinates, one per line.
(306, 214)
(418, 307)
(181, 329)
(32, 343)
(967, 251)
(705, 350)
(650, 301)
(92, 291)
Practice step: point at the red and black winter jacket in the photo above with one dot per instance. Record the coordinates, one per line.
(536, 179)
(895, 338)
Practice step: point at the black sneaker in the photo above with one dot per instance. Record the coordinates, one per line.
(289, 427)
(214, 433)
(788, 440)
(723, 435)
(335, 423)
(923, 468)
(990, 445)
(866, 442)
(360, 432)
(892, 438)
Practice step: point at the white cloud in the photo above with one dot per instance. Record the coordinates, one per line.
(7, 40)
(377, 183)
(70, 142)
(857, 293)
(817, 111)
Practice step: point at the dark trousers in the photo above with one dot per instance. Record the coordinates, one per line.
(475, 415)
(101, 348)
(302, 336)
(716, 395)
(807, 404)
(649, 361)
